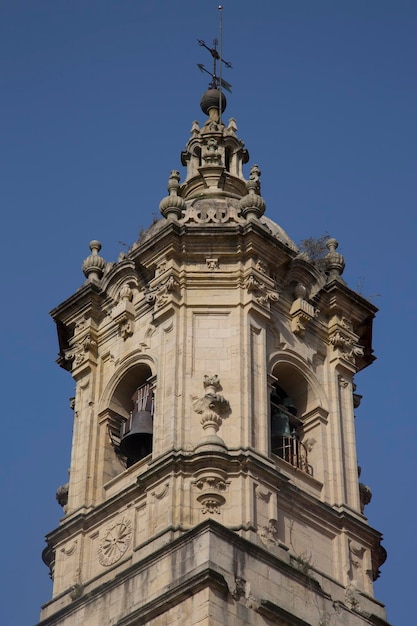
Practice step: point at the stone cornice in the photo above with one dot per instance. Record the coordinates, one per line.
(232, 463)
(207, 574)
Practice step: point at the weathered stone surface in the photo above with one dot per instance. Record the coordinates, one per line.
(213, 309)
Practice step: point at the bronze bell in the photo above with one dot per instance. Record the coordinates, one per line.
(280, 423)
(280, 431)
(136, 436)
(287, 402)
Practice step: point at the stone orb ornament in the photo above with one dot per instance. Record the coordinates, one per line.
(211, 99)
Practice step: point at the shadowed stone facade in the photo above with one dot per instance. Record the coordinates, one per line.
(239, 353)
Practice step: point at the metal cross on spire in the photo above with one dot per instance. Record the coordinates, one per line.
(217, 82)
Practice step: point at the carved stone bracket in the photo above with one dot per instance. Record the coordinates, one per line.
(62, 496)
(365, 495)
(161, 293)
(213, 409)
(48, 557)
(261, 266)
(84, 347)
(124, 312)
(357, 398)
(301, 315)
(263, 294)
(212, 486)
(346, 345)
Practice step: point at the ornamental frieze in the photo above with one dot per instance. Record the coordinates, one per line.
(209, 211)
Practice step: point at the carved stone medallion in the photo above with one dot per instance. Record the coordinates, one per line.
(115, 542)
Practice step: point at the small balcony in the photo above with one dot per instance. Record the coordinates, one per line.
(293, 451)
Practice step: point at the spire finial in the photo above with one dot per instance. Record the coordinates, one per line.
(217, 81)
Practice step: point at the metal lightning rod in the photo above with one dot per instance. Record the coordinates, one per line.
(221, 58)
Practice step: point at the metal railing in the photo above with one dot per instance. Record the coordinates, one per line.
(294, 452)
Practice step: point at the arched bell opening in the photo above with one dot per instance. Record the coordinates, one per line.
(227, 158)
(132, 403)
(288, 403)
(197, 154)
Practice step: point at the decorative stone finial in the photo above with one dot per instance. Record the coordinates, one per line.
(213, 409)
(334, 261)
(253, 205)
(93, 266)
(126, 293)
(172, 205)
(300, 291)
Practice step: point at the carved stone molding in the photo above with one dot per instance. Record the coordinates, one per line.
(263, 294)
(71, 549)
(211, 503)
(159, 495)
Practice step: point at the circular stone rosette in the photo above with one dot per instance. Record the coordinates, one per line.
(115, 542)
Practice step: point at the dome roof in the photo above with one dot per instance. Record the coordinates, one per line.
(279, 233)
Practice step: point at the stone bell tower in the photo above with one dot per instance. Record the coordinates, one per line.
(213, 475)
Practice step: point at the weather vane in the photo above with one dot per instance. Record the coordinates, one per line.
(217, 82)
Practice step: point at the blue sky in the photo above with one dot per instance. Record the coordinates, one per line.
(97, 99)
